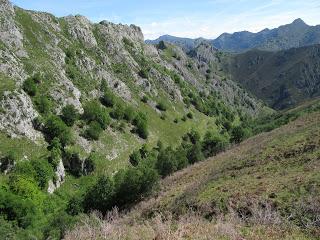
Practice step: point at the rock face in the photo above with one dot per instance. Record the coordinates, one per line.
(59, 178)
(18, 115)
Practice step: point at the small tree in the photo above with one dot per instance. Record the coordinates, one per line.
(238, 134)
(100, 196)
(166, 162)
(69, 115)
(213, 143)
(56, 128)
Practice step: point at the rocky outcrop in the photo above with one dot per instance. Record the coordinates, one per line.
(10, 34)
(18, 115)
(59, 178)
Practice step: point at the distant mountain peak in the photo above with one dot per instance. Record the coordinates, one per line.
(299, 21)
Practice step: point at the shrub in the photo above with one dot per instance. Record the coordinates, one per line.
(100, 196)
(166, 162)
(93, 111)
(162, 106)
(140, 122)
(143, 73)
(108, 99)
(194, 153)
(56, 128)
(135, 183)
(55, 152)
(93, 131)
(238, 134)
(213, 144)
(17, 209)
(69, 115)
(73, 163)
(190, 115)
(43, 172)
(135, 158)
(144, 99)
(43, 104)
(118, 112)
(90, 164)
(30, 87)
(75, 206)
(129, 114)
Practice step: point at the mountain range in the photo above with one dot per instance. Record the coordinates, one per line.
(296, 34)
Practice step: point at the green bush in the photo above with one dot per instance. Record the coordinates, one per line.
(56, 128)
(166, 162)
(17, 209)
(129, 114)
(162, 106)
(144, 99)
(69, 115)
(108, 99)
(238, 134)
(43, 104)
(75, 205)
(213, 143)
(100, 196)
(144, 73)
(73, 163)
(194, 153)
(140, 122)
(190, 115)
(93, 111)
(135, 158)
(118, 112)
(93, 131)
(30, 87)
(55, 155)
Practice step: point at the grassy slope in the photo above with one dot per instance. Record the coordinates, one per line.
(262, 183)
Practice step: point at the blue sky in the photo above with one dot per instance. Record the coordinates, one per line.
(186, 18)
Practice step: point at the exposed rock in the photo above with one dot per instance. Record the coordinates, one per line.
(10, 34)
(80, 28)
(18, 116)
(59, 178)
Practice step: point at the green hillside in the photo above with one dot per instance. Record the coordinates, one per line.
(267, 187)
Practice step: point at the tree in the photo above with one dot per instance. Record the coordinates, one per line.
(213, 143)
(56, 128)
(75, 205)
(69, 115)
(101, 195)
(194, 153)
(166, 162)
(118, 112)
(238, 133)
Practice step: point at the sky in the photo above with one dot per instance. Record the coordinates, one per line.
(185, 18)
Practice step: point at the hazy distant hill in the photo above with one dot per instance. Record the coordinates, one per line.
(296, 34)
